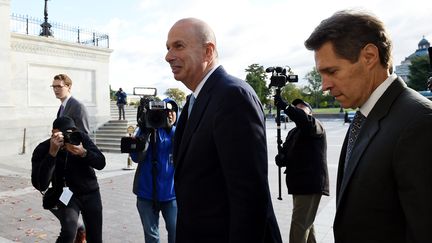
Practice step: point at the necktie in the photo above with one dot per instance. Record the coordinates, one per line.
(354, 131)
(60, 111)
(191, 103)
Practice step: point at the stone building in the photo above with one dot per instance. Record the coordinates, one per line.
(402, 70)
(28, 64)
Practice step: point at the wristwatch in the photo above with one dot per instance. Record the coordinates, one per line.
(84, 154)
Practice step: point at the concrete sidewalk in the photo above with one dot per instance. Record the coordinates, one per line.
(23, 219)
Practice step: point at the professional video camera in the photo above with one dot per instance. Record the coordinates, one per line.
(151, 113)
(280, 77)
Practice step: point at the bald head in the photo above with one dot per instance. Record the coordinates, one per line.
(199, 29)
(192, 53)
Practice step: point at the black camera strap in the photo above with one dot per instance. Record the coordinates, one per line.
(153, 140)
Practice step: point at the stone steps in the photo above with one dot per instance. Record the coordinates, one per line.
(108, 136)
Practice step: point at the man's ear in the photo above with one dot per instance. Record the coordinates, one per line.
(370, 55)
(210, 51)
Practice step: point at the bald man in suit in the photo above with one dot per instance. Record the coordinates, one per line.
(220, 151)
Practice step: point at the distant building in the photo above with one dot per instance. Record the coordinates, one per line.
(403, 69)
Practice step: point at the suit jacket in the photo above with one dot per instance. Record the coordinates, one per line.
(386, 193)
(78, 112)
(304, 154)
(220, 157)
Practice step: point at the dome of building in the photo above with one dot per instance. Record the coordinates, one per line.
(422, 50)
(423, 43)
(402, 70)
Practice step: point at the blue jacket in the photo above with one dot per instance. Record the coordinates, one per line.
(143, 181)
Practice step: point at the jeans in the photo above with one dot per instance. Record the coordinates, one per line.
(150, 219)
(90, 206)
(305, 208)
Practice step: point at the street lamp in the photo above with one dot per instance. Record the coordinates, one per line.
(46, 27)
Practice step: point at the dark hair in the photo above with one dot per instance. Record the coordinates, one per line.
(349, 31)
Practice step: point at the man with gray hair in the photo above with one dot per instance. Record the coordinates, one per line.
(220, 148)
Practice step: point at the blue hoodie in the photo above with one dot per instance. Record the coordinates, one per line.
(143, 181)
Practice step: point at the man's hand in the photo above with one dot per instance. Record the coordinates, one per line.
(280, 103)
(56, 142)
(280, 160)
(77, 150)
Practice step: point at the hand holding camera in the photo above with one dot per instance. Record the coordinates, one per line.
(56, 142)
(77, 150)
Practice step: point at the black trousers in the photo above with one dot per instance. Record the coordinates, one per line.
(90, 206)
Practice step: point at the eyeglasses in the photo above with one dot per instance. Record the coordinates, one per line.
(57, 86)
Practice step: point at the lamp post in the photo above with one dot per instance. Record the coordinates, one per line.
(46, 27)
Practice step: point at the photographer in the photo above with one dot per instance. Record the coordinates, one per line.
(67, 161)
(304, 155)
(154, 177)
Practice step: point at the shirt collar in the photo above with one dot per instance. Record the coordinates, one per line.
(201, 84)
(66, 100)
(366, 108)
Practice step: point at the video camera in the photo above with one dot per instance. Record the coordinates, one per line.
(151, 113)
(280, 77)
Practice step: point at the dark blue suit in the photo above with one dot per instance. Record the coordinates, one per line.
(385, 194)
(220, 155)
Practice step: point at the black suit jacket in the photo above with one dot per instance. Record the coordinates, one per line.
(78, 112)
(386, 193)
(304, 154)
(220, 155)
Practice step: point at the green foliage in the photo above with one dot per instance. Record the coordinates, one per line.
(176, 94)
(256, 77)
(112, 94)
(291, 92)
(314, 87)
(419, 73)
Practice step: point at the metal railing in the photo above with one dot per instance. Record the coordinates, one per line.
(32, 26)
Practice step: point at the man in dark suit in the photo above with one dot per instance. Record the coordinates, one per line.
(384, 184)
(304, 154)
(220, 151)
(70, 106)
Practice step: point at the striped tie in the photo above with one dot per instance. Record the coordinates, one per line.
(354, 131)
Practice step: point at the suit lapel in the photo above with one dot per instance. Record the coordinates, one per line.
(187, 127)
(179, 132)
(370, 127)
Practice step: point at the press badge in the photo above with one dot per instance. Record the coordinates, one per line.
(66, 195)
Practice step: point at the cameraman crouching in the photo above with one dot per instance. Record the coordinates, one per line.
(304, 154)
(154, 177)
(66, 160)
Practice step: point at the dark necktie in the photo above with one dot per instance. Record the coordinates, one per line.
(354, 131)
(60, 111)
(191, 103)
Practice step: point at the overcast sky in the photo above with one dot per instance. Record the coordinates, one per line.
(266, 32)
